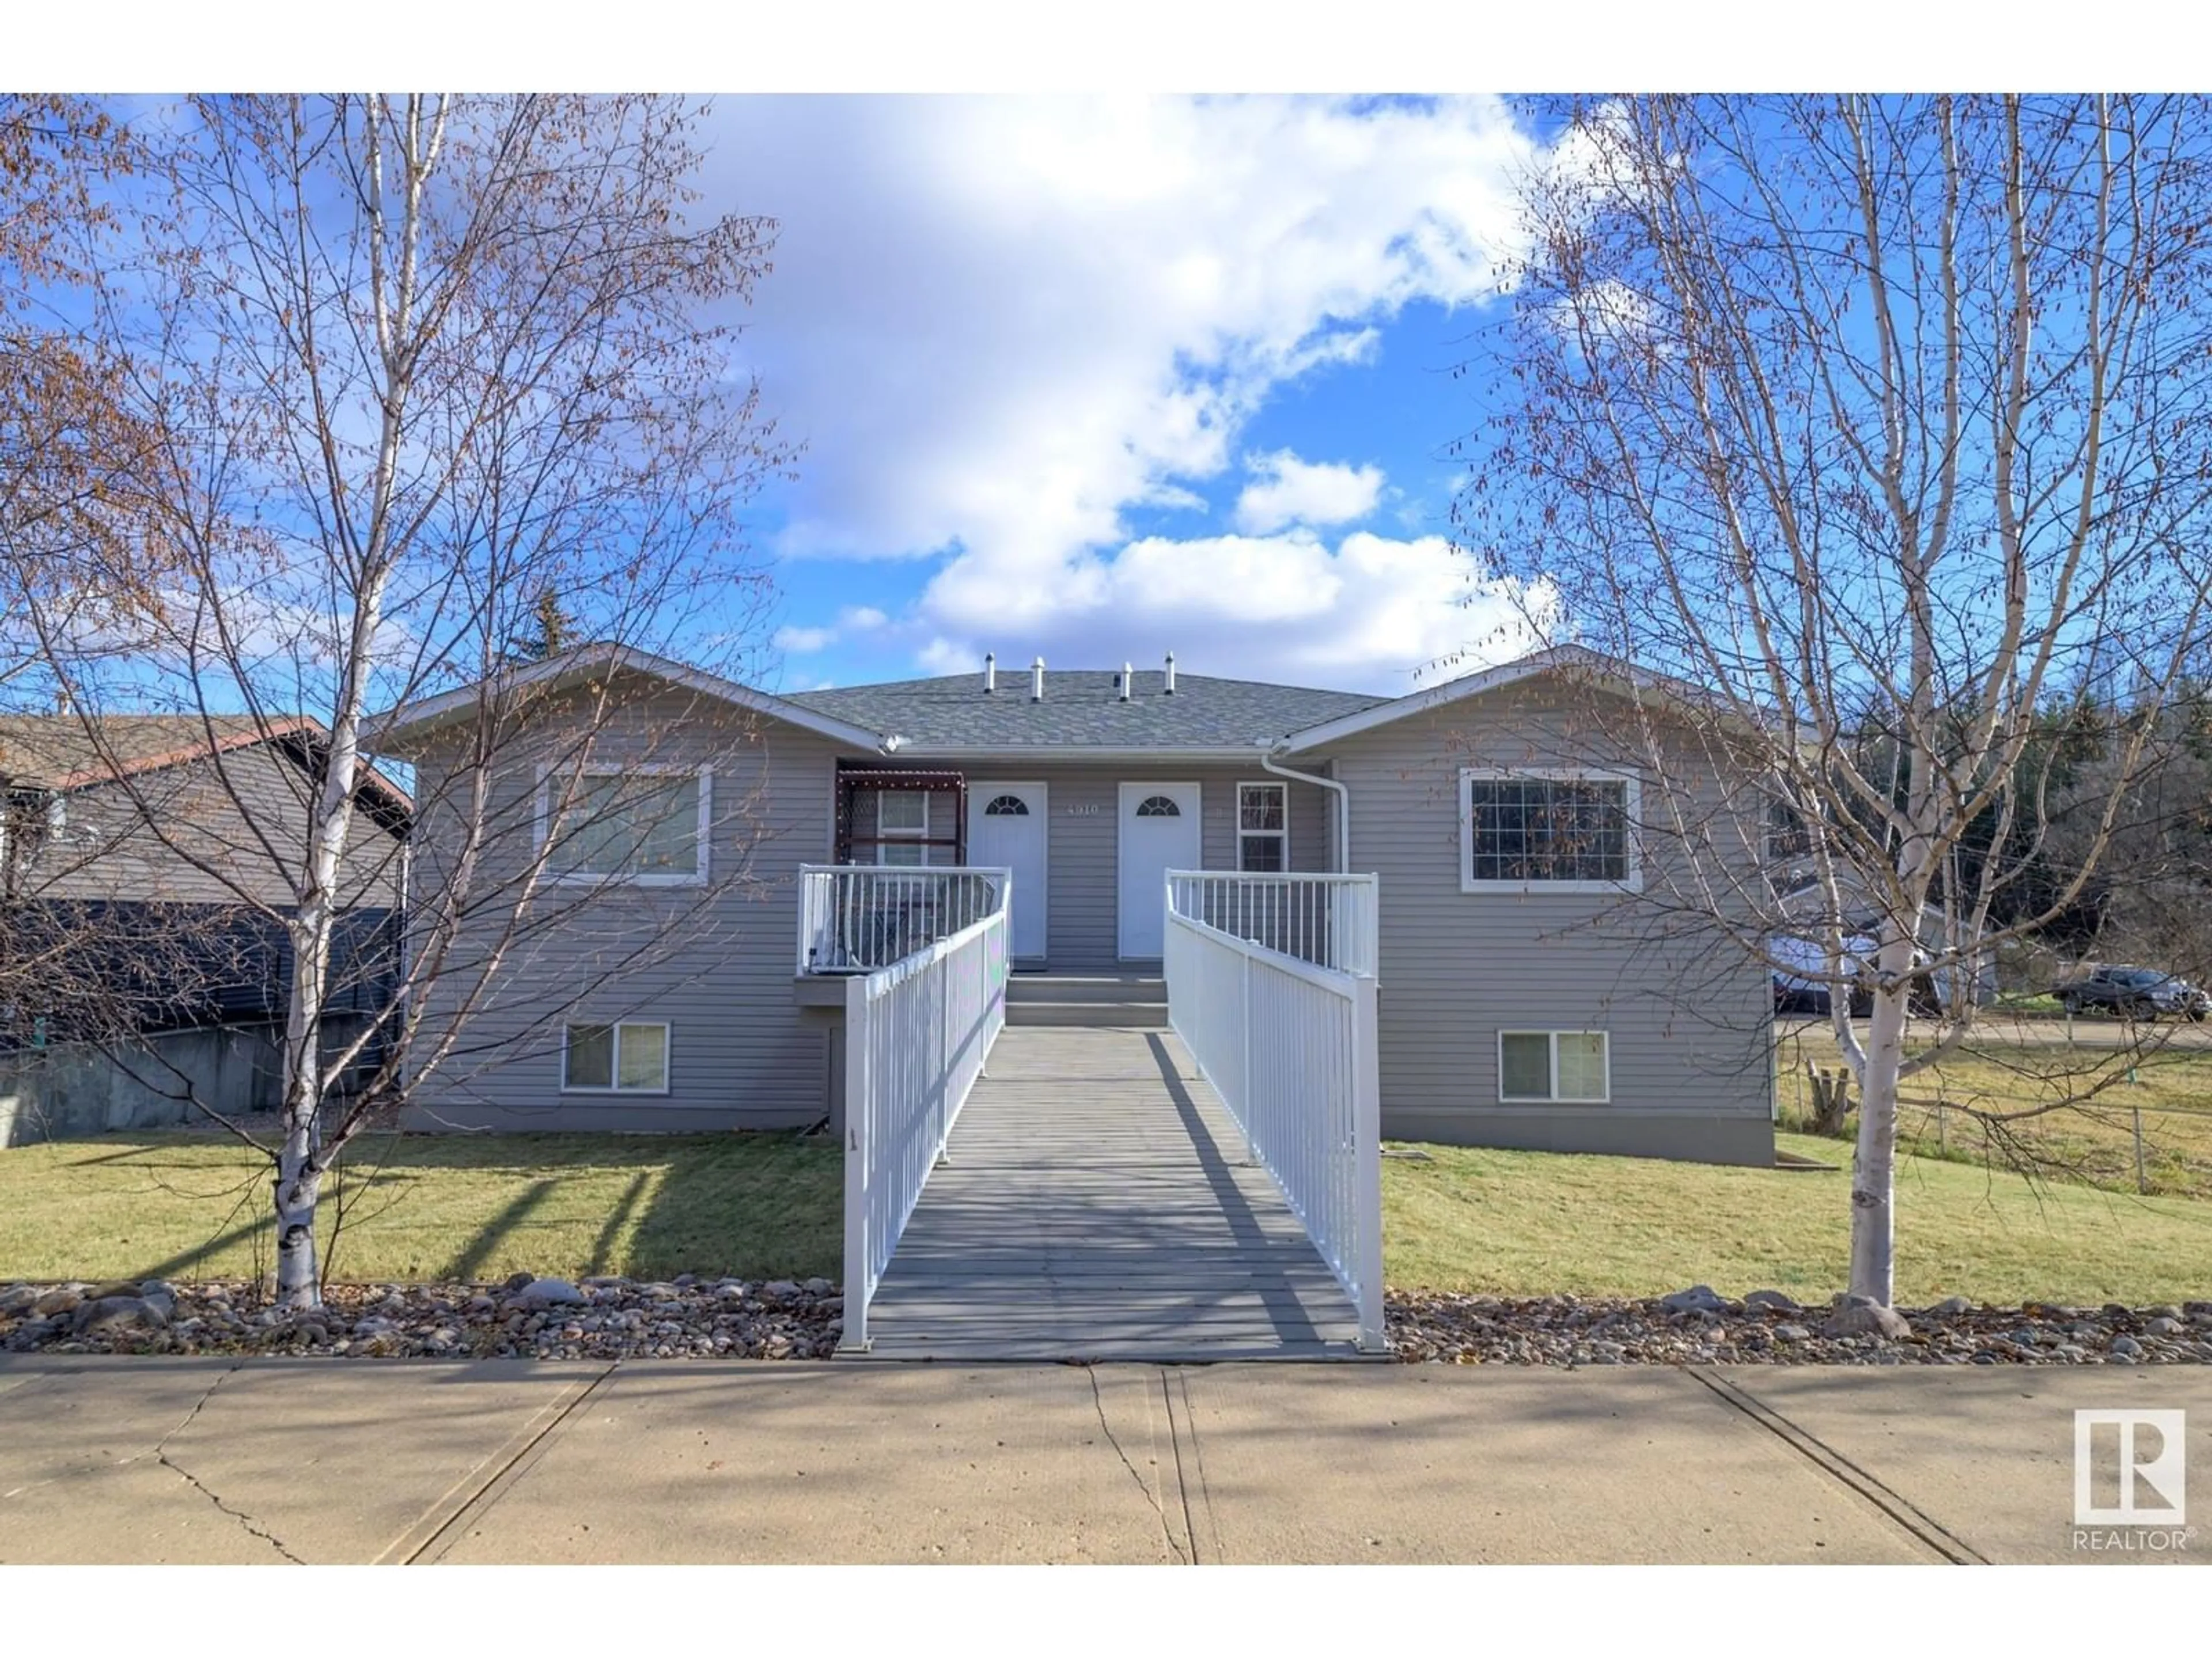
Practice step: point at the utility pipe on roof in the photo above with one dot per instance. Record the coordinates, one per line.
(1268, 754)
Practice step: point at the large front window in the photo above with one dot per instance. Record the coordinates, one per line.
(631, 826)
(1564, 831)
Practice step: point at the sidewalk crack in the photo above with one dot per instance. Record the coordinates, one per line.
(237, 1515)
(1167, 1530)
(160, 1455)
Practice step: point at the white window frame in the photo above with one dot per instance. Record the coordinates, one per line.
(546, 778)
(614, 1085)
(1633, 805)
(885, 835)
(1282, 835)
(1555, 1098)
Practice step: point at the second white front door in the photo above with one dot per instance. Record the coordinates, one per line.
(1159, 831)
(1007, 829)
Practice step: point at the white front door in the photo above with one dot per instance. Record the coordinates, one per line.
(1158, 832)
(1007, 829)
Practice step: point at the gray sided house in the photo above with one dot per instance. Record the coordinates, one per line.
(142, 946)
(1529, 995)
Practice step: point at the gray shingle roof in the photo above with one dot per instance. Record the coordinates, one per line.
(1083, 709)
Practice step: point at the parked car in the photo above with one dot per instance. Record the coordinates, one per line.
(2135, 994)
(1803, 986)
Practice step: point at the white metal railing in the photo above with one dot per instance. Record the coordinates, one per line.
(1328, 921)
(1288, 1042)
(854, 918)
(917, 1034)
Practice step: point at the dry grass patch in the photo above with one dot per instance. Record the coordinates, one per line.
(1533, 1223)
(2086, 1101)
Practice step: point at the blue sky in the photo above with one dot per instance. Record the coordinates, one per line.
(1098, 377)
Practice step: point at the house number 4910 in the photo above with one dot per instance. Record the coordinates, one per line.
(1089, 811)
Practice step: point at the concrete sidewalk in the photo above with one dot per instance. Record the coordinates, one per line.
(122, 1460)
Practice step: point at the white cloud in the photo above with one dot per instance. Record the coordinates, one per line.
(999, 325)
(799, 642)
(1371, 612)
(860, 619)
(1285, 490)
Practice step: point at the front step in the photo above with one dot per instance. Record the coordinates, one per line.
(1128, 1016)
(1128, 1001)
(1086, 988)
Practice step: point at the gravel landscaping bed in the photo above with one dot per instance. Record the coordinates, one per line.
(614, 1318)
(1697, 1328)
(608, 1318)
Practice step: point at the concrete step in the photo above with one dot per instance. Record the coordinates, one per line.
(1080, 987)
(1138, 1015)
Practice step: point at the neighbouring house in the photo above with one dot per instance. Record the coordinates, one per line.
(1527, 998)
(143, 958)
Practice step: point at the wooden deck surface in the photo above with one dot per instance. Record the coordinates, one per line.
(1096, 1206)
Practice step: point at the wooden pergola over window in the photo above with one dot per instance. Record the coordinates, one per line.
(945, 840)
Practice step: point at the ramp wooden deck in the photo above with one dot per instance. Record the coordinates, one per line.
(1096, 1206)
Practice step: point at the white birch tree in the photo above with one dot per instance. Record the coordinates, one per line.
(1887, 424)
(419, 362)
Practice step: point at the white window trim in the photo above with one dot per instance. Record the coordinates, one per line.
(551, 876)
(1633, 806)
(613, 1070)
(1555, 1098)
(885, 835)
(1282, 835)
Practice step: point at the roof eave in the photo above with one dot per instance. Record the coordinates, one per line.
(1637, 682)
(395, 727)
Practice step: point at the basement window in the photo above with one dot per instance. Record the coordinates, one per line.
(629, 1057)
(1570, 1067)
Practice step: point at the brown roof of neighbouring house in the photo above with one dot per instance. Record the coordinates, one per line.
(67, 752)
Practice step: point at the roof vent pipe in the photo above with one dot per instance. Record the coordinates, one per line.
(1127, 675)
(1170, 684)
(990, 670)
(1037, 681)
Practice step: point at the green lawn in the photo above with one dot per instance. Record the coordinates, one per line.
(1509, 1224)
(1528, 1224)
(432, 1206)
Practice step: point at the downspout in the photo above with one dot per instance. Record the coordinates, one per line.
(1343, 803)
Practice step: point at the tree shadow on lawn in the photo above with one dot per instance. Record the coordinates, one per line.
(751, 1205)
(748, 1205)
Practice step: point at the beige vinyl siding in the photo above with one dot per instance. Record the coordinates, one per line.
(1687, 1014)
(714, 962)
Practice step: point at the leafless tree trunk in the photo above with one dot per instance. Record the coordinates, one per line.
(1882, 422)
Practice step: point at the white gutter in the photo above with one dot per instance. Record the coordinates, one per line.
(1343, 802)
(1050, 754)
